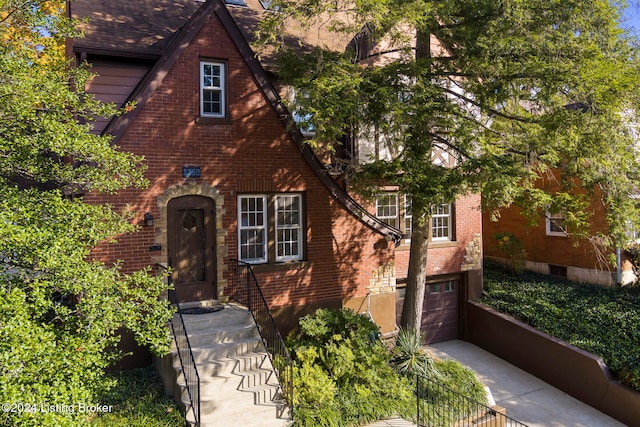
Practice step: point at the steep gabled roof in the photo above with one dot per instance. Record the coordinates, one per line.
(130, 27)
(174, 47)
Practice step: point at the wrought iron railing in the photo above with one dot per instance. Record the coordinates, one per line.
(247, 292)
(440, 406)
(185, 354)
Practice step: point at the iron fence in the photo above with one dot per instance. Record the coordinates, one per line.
(247, 292)
(185, 355)
(440, 406)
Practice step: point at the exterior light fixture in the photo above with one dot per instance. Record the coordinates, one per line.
(148, 219)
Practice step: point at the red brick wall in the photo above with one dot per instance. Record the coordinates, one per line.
(250, 153)
(447, 257)
(556, 250)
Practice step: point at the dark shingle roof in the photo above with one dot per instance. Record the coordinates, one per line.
(130, 26)
(145, 27)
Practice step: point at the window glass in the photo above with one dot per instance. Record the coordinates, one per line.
(212, 95)
(288, 227)
(441, 222)
(252, 228)
(407, 217)
(387, 209)
(556, 224)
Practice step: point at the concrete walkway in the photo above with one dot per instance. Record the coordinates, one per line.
(526, 398)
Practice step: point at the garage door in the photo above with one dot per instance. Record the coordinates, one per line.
(440, 316)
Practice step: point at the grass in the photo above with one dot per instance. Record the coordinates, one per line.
(138, 399)
(602, 320)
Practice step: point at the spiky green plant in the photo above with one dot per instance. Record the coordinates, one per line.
(410, 359)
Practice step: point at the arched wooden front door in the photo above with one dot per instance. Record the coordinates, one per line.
(191, 232)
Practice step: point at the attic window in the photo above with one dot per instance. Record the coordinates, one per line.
(235, 2)
(212, 89)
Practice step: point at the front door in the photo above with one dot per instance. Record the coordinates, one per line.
(191, 242)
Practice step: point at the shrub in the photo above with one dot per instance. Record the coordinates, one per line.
(513, 251)
(137, 400)
(342, 375)
(409, 358)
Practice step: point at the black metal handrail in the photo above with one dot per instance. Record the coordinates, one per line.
(247, 291)
(185, 354)
(440, 406)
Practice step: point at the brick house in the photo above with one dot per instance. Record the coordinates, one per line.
(231, 178)
(551, 249)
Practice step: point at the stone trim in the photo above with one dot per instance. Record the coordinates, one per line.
(160, 225)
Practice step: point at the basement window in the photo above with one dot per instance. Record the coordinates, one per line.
(558, 270)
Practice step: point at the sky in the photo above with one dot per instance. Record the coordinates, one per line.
(632, 16)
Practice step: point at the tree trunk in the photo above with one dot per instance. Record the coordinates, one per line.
(417, 274)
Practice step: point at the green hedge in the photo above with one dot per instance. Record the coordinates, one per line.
(602, 320)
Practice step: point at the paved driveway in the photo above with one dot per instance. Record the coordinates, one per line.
(526, 398)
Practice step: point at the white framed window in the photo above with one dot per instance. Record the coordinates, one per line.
(302, 118)
(212, 89)
(387, 209)
(441, 222)
(555, 224)
(407, 217)
(288, 209)
(252, 228)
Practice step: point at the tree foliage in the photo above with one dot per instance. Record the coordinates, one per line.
(60, 311)
(532, 99)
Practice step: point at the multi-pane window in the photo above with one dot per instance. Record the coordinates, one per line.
(556, 224)
(387, 209)
(441, 222)
(399, 216)
(257, 214)
(212, 89)
(288, 227)
(252, 228)
(407, 216)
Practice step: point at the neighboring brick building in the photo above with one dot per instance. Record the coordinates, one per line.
(230, 176)
(550, 248)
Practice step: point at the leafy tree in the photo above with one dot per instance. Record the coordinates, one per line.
(531, 99)
(60, 311)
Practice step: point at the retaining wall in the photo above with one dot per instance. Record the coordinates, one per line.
(568, 368)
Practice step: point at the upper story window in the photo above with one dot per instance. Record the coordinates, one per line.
(407, 217)
(212, 89)
(556, 224)
(270, 227)
(399, 215)
(302, 118)
(441, 222)
(387, 209)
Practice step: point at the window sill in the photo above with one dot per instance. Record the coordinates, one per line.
(280, 266)
(406, 246)
(443, 244)
(213, 121)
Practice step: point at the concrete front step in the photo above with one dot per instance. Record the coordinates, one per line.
(237, 384)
